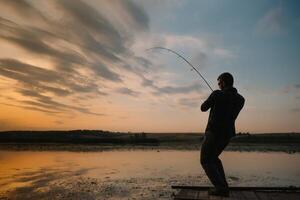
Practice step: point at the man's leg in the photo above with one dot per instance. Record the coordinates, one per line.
(212, 165)
(222, 172)
(220, 147)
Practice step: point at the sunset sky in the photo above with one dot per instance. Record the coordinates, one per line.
(70, 64)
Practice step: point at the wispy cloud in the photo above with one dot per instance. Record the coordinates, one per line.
(127, 91)
(198, 49)
(291, 88)
(297, 110)
(58, 83)
(23, 8)
(47, 102)
(224, 53)
(191, 102)
(271, 22)
(178, 89)
(83, 46)
(172, 89)
(92, 51)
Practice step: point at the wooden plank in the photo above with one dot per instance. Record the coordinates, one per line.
(181, 194)
(263, 195)
(239, 188)
(214, 198)
(249, 195)
(187, 195)
(236, 195)
(284, 196)
(202, 195)
(192, 194)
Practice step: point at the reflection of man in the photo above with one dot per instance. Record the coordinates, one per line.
(224, 105)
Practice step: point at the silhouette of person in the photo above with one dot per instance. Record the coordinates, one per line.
(225, 105)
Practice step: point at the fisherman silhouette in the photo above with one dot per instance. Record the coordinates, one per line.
(225, 105)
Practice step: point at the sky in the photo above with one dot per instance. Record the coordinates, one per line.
(83, 64)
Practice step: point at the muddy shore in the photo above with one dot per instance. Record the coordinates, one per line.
(288, 148)
(51, 186)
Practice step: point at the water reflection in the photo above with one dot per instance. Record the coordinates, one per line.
(28, 172)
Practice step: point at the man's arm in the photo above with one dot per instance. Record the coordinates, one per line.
(209, 102)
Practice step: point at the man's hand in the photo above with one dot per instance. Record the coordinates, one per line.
(209, 102)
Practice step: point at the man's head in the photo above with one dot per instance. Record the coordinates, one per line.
(225, 80)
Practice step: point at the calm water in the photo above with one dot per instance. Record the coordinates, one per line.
(242, 168)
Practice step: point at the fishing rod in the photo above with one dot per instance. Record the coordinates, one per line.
(180, 56)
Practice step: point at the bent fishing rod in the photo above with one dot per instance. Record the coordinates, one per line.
(180, 56)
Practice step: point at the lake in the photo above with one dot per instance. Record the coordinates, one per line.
(116, 174)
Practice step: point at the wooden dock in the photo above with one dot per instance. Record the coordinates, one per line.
(238, 193)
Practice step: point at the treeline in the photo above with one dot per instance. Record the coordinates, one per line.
(101, 136)
(261, 138)
(75, 136)
(267, 138)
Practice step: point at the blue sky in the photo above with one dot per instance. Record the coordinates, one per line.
(85, 62)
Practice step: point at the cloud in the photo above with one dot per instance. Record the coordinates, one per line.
(292, 88)
(31, 39)
(197, 49)
(189, 102)
(178, 89)
(35, 80)
(171, 89)
(89, 49)
(147, 82)
(137, 14)
(194, 48)
(23, 8)
(295, 110)
(127, 91)
(84, 27)
(58, 122)
(224, 53)
(83, 45)
(271, 22)
(297, 86)
(32, 108)
(88, 18)
(106, 73)
(47, 102)
(58, 83)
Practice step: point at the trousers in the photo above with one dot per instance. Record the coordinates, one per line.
(211, 148)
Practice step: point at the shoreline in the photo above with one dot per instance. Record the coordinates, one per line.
(241, 147)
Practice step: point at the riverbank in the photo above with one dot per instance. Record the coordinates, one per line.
(99, 140)
(288, 148)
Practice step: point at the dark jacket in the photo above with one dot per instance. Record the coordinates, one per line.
(224, 106)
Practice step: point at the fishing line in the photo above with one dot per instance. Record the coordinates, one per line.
(180, 56)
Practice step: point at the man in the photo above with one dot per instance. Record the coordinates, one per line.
(225, 105)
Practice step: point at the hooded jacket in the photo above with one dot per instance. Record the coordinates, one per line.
(224, 105)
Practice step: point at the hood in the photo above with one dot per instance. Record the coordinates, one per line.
(230, 89)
